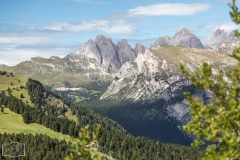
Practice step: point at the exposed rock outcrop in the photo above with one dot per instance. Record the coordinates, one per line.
(125, 52)
(109, 56)
(182, 38)
(219, 37)
(186, 38)
(139, 48)
(110, 59)
(156, 75)
(161, 41)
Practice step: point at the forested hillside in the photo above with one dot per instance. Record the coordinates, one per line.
(142, 119)
(48, 109)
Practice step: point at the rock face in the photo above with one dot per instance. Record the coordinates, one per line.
(108, 55)
(219, 37)
(139, 48)
(110, 60)
(162, 41)
(90, 50)
(186, 38)
(182, 38)
(216, 39)
(156, 75)
(125, 52)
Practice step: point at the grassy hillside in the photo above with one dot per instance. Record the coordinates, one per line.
(17, 86)
(13, 123)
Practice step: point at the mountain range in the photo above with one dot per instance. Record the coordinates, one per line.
(104, 71)
(185, 38)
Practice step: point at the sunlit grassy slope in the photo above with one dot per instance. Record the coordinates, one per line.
(15, 83)
(11, 122)
(70, 116)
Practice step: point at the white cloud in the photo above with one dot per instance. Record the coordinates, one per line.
(18, 39)
(228, 27)
(172, 9)
(13, 54)
(108, 27)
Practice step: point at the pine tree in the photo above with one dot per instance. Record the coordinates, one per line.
(217, 123)
(21, 96)
(2, 109)
(26, 117)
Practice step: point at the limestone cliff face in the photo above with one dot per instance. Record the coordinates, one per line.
(219, 37)
(125, 52)
(90, 50)
(155, 75)
(108, 56)
(139, 48)
(110, 59)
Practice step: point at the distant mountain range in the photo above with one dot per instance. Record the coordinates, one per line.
(185, 38)
(102, 70)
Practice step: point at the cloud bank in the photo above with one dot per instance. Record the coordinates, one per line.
(170, 9)
(108, 27)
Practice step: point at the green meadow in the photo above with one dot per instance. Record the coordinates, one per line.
(11, 122)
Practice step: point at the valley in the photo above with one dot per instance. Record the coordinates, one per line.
(134, 83)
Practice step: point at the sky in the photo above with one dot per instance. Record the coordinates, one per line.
(45, 28)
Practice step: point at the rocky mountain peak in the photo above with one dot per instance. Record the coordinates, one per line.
(139, 48)
(183, 32)
(185, 38)
(166, 39)
(100, 38)
(125, 52)
(103, 53)
(217, 39)
(89, 50)
(161, 41)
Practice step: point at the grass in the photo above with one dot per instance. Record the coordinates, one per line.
(176, 55)
(13, 123)
(13, 83)
(70, 116)
(5, 82)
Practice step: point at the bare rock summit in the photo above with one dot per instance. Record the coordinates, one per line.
(182, 38)
(219, 37)
(185, 38)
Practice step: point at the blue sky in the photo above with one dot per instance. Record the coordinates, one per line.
(31, 28)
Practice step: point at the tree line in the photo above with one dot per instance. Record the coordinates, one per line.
(113, 139)
(36, 147)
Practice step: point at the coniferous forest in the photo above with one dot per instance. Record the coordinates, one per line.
(112, 136)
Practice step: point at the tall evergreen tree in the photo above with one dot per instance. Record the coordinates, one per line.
(217, 123)
(2, 109)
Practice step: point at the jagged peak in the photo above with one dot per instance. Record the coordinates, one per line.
(219, 32)
(89, 41)
(183, 31)
(102, 38)
(123, 41)
(139, 44)
(166, 36)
